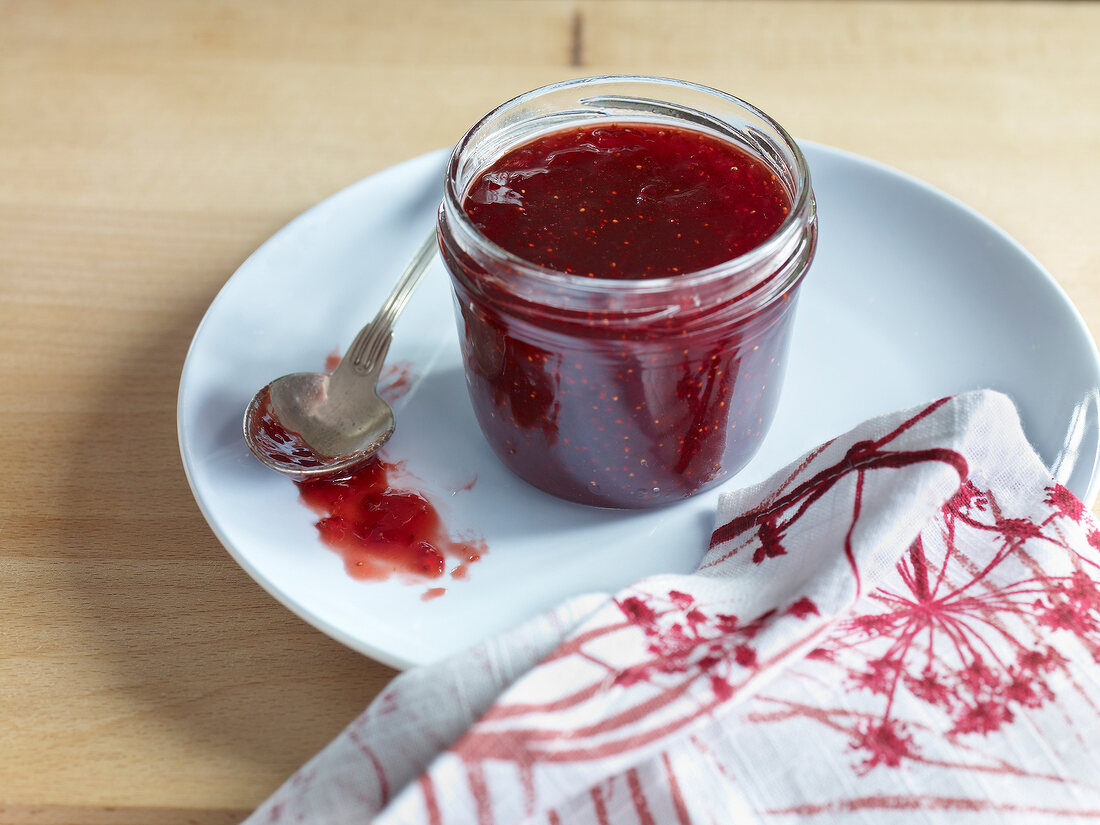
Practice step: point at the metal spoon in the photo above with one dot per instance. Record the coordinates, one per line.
(310, 425)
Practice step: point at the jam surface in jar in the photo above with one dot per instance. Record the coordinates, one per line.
(632, 200)
(603, 407)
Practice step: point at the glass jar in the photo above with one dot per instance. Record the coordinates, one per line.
(625, 392)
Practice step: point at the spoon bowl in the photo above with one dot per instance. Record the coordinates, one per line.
(310, 425)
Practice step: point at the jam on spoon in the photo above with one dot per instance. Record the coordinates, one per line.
(313, 425)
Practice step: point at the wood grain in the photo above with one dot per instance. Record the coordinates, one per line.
(74, 815)
(147, 148)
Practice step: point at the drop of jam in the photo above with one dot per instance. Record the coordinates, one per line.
(384, 528)
(432, 593)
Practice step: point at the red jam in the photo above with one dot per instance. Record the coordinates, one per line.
(383, 527)
(627, 201)
(375, 519)
(597, 399)
(287, 448)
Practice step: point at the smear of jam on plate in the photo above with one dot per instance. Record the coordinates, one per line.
(394, 382)
(383, 527)
(380, 522)
(377, 519)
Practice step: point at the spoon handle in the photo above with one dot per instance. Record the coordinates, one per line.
(369, 348)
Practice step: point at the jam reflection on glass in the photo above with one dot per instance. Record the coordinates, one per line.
(598, 408)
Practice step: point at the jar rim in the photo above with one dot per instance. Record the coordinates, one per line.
(801, 211)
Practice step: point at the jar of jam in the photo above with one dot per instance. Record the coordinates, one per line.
(625, 254)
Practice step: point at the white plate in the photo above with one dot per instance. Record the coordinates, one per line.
(912, 296)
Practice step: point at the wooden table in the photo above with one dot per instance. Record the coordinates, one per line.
(147, 148)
